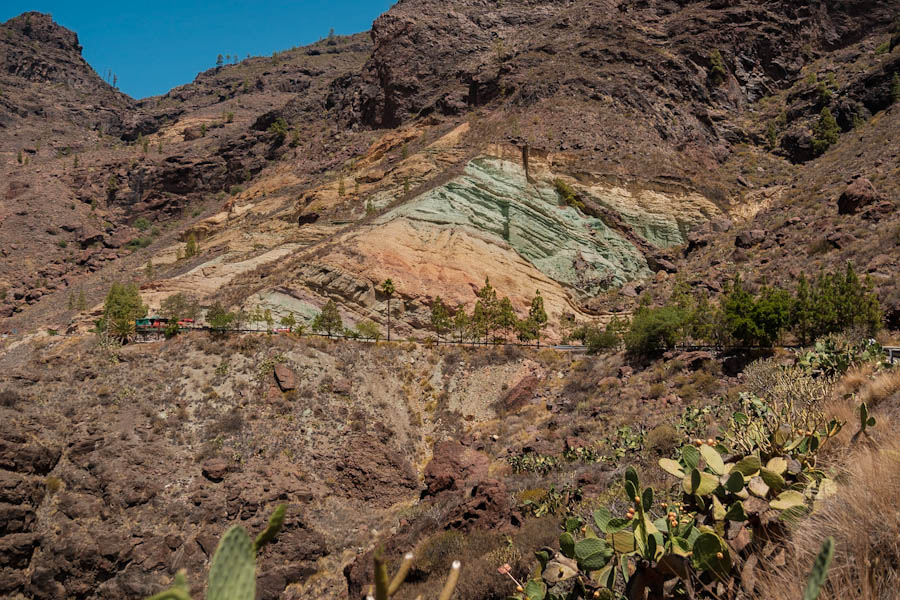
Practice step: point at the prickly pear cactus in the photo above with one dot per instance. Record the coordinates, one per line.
(819, 571)
(711, 554)
(232, 575)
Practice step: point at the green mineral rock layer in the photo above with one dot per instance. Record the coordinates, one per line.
(493, 197)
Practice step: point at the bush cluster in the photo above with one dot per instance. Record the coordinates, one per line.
(831, 303)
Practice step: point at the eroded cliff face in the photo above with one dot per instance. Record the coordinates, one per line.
(122, 480)
(494, 200)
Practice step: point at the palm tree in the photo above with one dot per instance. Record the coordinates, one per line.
(388, 289)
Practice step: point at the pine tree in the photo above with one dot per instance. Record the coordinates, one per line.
(825, 132)
(123, 305)
(329, 320)
(387, 288)
(506, 317)
(219, 61)
(738, 305)
(148, 270)
(289, 321)
(179, 307)
(368, 330)
(19, 157)
(256, 317)
(440, 317)
(219, 319)
(487, 320)
(341, 190)
(479, 322)
(82, 301)
(460, 322)
(537, 315)
(895, 88)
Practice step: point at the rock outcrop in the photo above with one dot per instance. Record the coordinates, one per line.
(859, 194)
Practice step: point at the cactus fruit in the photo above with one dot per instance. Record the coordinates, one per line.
(710, 553)
(819, 571)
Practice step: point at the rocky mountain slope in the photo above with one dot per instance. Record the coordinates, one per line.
(659, 117)
(595, 150)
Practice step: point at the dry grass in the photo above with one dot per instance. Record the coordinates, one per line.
(883, 387)
(853, 380)
(862, 515)
(881, 393)
(864, 520)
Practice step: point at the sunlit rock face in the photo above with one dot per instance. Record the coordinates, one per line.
(494, 198)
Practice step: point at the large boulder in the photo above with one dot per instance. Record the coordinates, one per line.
(518, 395)
(284, 376)
(750, 238)
(858, 194)
(215, 469)
(451, 466)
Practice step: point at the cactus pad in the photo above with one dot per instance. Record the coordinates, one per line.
(232, 575)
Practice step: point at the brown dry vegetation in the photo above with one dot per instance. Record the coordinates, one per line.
(864, 521)
(862, 515)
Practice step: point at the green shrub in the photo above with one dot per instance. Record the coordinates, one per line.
(141, 224)
(600, 339)
(279, 131)
(663, 439)
(717, 72)
(654, 330)
(139, 242)
(567, 194)
(369, 330)
(825, 132)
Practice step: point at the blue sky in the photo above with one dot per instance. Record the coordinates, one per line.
(155, 46)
